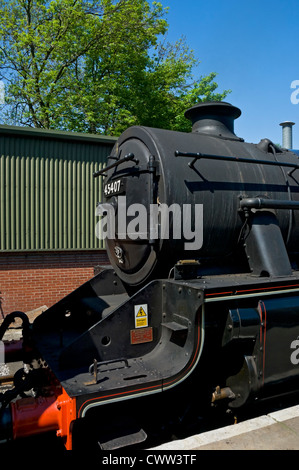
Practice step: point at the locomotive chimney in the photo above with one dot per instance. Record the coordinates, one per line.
(287, 134)
(215, 118)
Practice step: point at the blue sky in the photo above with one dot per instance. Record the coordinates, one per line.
(253, 47)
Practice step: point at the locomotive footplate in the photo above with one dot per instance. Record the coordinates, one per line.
(147, 344)
(153, 340)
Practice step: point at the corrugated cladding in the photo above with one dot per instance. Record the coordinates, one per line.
(48, 194)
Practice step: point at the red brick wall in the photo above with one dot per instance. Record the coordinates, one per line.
(31, 280)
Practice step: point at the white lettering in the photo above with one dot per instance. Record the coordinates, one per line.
(140, 221)
(2, 353)
(198, 231)
(295, 355)
(159, 219)
(294, 95)
(175, 459)
(105, 228)
(115, 460)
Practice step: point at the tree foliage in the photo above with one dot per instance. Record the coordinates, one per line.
(95, 66)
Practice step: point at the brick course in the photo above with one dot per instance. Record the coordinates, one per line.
(33, 279)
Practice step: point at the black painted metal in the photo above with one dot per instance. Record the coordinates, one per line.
(222, 170)
(122, 366)
(261, 203)
(249, 325)
(198, 156)
(264, 246)
(224, 317)
(126, 158)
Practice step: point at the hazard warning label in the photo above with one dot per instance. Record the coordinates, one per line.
(141, 318)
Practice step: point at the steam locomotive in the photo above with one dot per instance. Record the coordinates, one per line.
(200, 304)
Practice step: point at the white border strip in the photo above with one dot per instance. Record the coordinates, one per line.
(260, 293)
(211, 437)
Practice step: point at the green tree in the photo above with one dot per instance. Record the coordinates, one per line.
(95, 66)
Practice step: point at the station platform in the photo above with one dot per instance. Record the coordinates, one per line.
(278, 430)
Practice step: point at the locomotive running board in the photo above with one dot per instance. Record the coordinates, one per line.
(149, 343)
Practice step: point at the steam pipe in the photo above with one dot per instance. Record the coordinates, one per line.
(287, 134)
(263, 203)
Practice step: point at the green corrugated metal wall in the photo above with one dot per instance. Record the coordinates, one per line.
(48, 195)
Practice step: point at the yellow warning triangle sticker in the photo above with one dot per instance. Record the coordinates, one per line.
(141, 313)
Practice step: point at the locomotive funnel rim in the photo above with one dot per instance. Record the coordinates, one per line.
(215, 118)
